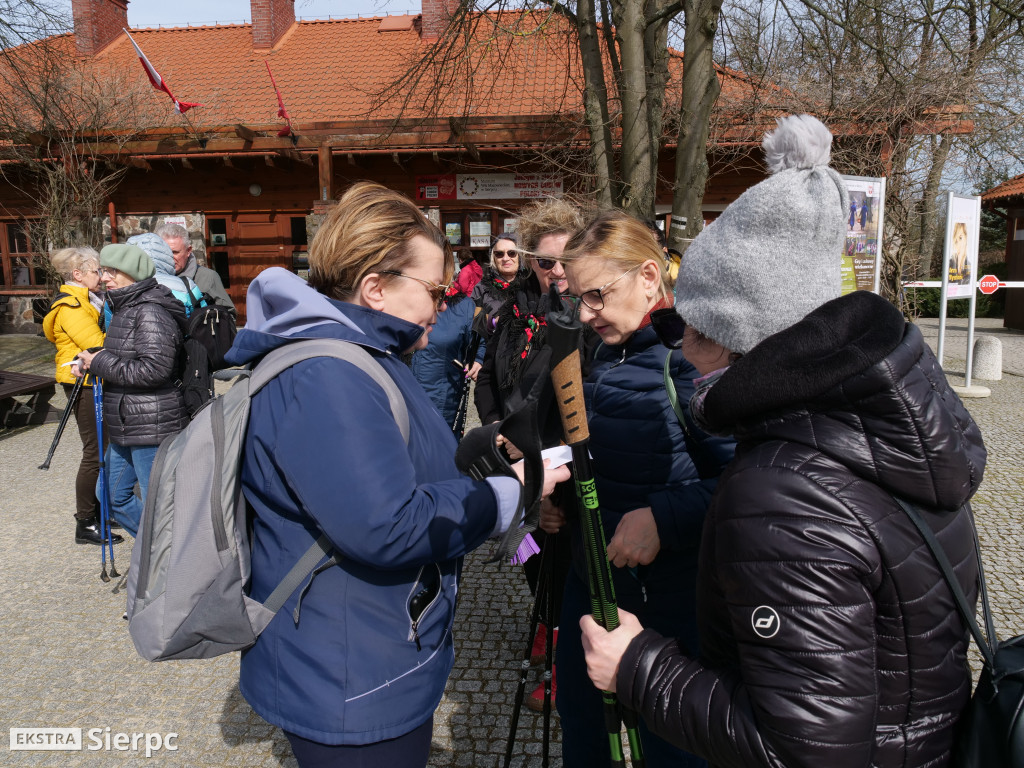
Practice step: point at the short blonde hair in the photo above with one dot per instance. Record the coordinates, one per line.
(619, 239)
(554, 216)
(67, 260)
(368, 231)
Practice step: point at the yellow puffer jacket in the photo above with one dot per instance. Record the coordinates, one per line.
(73, 325)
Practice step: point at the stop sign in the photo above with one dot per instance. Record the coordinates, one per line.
(988, 284)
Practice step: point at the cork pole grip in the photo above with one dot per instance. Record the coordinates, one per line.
(566, 377)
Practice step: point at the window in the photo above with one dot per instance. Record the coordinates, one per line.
(20, 270)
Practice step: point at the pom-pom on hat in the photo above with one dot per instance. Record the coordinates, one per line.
(130, 259)
(774, 254)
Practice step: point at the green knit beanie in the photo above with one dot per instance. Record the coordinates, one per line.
(130, 259)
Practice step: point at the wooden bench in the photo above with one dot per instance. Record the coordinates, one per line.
(36, 409)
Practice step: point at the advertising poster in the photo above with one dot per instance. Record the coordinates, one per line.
(479, 234)
(963, 222)
(453, 231)
(862, 253)
(488, 186)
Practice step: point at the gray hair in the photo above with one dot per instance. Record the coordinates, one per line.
(173, 232)
(67, 260)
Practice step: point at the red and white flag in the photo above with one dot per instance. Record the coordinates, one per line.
(281, 111)
(158, 82)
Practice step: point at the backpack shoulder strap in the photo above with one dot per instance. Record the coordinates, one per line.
(285, 357)
(198, 301)
(670, 388)
(986, 646)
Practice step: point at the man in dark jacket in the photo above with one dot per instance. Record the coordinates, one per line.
(828, 634)
(139, 365)
(185, 265)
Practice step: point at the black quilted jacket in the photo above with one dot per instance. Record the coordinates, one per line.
(139, 365)
(829, 638)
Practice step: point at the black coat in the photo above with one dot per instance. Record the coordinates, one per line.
(140, 364)
(828, 636)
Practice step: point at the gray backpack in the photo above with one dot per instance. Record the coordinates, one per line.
(190, 564)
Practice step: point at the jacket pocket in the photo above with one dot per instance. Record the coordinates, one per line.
(423, 599)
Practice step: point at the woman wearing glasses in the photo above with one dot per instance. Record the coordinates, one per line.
(354, 679)
(653, 499)
(73, 325)
(494, 289)
(140, 366)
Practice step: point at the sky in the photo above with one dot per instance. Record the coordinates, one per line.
(152, 13)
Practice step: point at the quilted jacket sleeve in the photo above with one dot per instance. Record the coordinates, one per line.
(143, 353)
(801, 693)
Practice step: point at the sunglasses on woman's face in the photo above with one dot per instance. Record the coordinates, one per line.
(544, 263)
(669, 326)
(502, 254)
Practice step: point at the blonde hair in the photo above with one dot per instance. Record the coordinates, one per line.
(368, 231)
(67, 260)
(554, 216)
(619, 239)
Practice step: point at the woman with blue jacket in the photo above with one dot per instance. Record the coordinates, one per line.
(354, 677)
(653, 498)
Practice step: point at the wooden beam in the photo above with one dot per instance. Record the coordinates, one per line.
(326, 171)
(245, 133)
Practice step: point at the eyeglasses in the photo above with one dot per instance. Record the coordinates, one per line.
(545, 263)
(502, 254)
(669, 326)
(107, 272)
(595, 298)
(437, 292)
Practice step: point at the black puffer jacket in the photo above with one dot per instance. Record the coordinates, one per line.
(828, 635)
(140, 363)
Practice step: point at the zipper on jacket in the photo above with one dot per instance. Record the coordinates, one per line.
(419, 587)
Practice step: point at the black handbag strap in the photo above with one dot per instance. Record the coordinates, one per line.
(986, 647)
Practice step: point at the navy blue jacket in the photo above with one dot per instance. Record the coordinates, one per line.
(640, 459)
(323, 454)
(433, 367)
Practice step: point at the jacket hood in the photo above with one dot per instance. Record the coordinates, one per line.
(152, 292)
(67, 296)
(855, 381)
(281, 307)
(158, 250)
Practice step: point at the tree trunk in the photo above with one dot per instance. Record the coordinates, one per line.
(928, 215)
(700, 92)
(595, 101)
(639, 168)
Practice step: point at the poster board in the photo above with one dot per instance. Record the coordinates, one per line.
(960, 248)
(862, 250)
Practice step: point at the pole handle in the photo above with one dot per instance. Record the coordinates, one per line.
(567, 378)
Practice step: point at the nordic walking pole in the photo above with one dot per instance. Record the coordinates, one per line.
(76, 391)
(459, 427)
(104, 490)
(564, 330)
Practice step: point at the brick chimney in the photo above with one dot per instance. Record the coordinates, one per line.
(270, 20)
(435, 17)
(97, 23)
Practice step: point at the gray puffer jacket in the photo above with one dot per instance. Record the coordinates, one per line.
(140, 363)
(828, 635)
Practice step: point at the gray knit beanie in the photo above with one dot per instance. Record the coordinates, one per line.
(774, 254)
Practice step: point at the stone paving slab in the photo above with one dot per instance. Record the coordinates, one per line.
(68, 660)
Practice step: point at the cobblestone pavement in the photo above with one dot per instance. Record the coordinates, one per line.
(68, 660)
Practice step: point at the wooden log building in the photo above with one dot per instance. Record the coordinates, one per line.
(250, 198)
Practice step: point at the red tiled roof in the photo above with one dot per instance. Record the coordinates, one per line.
(1010, 188)
(335, 71)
